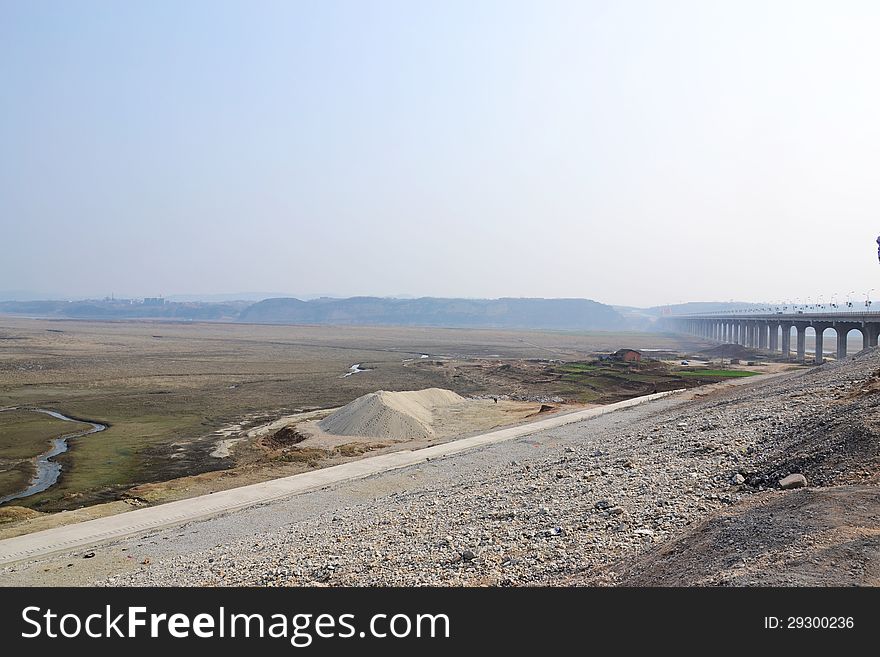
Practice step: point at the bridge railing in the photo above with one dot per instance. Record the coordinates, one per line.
(848, 314)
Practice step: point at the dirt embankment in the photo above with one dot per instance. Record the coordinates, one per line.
(806, 537)
(823, 535)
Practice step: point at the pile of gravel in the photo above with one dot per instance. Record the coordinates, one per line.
(395, 416)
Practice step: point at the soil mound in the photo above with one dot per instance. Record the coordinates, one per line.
(397, 416)
(729, 351)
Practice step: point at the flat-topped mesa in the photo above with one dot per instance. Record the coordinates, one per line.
(397, 416)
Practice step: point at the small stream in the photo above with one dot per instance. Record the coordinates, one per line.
(48, 470)
(354, 369)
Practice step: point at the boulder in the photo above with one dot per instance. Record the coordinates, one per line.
(793, 481)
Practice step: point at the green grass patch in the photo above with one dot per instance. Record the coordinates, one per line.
(15, 479)
(720, 374)
(117, 456)
(26, 434)
(576, 368)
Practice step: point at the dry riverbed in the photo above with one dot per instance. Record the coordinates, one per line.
(576, 504)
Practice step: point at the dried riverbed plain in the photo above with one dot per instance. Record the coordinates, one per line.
(175, 396)
(682, 491)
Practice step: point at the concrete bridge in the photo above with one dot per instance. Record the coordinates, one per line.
(773, 332)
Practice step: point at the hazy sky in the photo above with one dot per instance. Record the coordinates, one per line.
(631, 152)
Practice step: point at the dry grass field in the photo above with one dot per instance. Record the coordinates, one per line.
(169, 392)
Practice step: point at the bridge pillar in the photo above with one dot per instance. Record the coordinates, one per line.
(773, 329)
(762, 335)
(753, 335)
(820, 327)
(786, 340)
(842, 333)
(870, 334)
(801, 342)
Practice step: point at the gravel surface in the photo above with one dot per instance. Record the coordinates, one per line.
(566, 505)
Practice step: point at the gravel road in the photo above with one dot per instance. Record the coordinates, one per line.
(568, 504)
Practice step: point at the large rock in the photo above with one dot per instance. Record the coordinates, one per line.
(793, 481)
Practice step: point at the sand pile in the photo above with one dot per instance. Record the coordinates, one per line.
(397, 416)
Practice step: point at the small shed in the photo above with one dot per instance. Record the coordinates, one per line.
(628, 355)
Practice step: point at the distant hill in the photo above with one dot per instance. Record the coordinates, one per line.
(513, 313)
(484, 313)
(104, 309)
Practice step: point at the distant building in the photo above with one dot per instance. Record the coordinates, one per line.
(628, 355)
(154, 301)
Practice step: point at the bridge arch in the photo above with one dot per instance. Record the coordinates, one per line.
(819, 329)
(843, 332)
(763, 330)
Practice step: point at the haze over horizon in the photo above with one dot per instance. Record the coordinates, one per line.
(633, 153)
(26, 295)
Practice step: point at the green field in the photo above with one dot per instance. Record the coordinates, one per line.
(25, 435)
(577, 368)
(608, 381)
